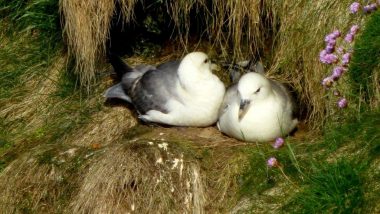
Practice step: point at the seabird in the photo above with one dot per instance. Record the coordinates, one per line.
(257, 109)
(179, 93)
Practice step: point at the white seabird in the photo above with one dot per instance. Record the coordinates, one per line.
(257, 109)
(179, 93)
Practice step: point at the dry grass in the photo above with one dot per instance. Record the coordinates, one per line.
(33, 108)
(130, 175)
(141, 177)
(106, 127)
(37, 182)
(86, 25)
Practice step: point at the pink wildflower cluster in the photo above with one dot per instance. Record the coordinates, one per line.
(327, 55)
(354, 8)
(272, 161)
(339, 56)
(350, 36)
(369, 8)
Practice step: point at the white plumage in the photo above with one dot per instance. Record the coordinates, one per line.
(257, 109)
(199, 95)
(184, 93)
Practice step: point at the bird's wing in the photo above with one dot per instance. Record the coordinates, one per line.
(117, 92)
(230, 97)
(155, 88)
(286, 97)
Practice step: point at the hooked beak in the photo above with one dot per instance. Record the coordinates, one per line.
(244, 104)
(214, 67)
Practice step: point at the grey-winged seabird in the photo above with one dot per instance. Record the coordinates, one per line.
(179, 93)
(257, 109)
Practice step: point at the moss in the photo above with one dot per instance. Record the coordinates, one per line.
(366, 57)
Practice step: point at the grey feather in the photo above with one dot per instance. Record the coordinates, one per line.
(145, 86)
(117, 92)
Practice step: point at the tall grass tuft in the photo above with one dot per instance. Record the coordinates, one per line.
(86, 25)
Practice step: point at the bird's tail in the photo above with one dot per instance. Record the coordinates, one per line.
(119, 66)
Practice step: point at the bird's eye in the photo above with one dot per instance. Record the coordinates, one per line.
(258, 90)
(206, 61)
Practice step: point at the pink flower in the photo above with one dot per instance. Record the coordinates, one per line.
(349, 38)
(367, 9)
(346, 58)
(272, 162)
(337, 72)
(331, 42)
(330, 58)
(336, 33)
(329, 38)
(354, 29)
(322, 55)
(373, 6)
(336, 93)
(340, 50)
(327, 82)
(370, 8)
(354, 7)
(330, 49)
(342, 103)
(278, 143)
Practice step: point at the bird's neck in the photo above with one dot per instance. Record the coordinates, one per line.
(193, 75)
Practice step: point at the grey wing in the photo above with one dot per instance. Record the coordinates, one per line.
(283, 92)
(117, 92)
(230, 97)
(130, 78)
(170, 67)
(153, 90)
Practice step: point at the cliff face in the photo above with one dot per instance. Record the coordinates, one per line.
(63, 149)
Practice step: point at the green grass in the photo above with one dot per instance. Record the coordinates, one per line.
(30, 42)
(364, 129)
(330, 188)
(30, 39)
(335, 186)
(37, 16)
(366, 57)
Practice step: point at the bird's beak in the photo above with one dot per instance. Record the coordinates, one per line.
(244, 104)
(214, 67)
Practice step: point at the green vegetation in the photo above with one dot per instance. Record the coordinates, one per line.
(30, 39)
(35, 80)
(330, 188)
(366, 58)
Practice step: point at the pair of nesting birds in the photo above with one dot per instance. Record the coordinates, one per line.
(187, 93)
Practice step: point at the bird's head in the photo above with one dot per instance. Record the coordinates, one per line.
(197, 61)
(252, 88)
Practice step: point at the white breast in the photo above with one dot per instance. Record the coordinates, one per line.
(199, 102)
(263, 122)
